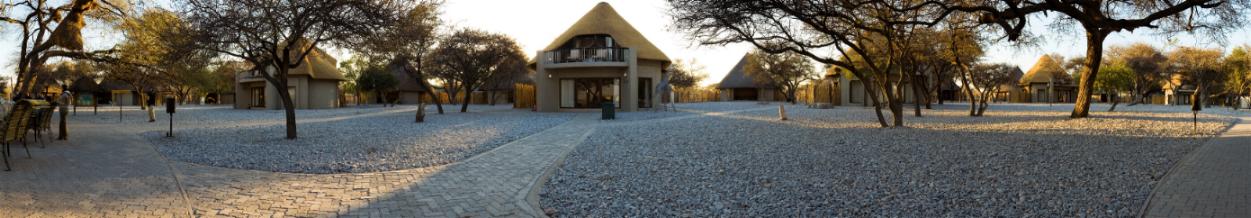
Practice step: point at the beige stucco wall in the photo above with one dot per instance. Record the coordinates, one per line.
(308, 93)
(321, 94)
(547, 81)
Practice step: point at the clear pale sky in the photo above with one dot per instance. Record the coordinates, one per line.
(535, 23)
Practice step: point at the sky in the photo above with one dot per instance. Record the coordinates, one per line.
(534, 24)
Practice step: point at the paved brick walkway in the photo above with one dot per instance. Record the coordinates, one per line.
(1215, 181)
(109, 176)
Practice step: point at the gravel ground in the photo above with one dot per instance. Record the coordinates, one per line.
(368, 139)
(1018, 161)
(684, 109)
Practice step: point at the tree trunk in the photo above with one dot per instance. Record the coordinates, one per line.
(874, 97)
(421, 111)
(435, 98)
(464, 106)
(1094, 56)
(916, 96)
(288, 108)
(896, 105)
(968, 91)
(1114, 101)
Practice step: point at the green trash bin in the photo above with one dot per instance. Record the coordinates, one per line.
(608, 111)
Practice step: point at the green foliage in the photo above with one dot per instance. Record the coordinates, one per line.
(1114, 78)
(1238, 64)
(375, 78)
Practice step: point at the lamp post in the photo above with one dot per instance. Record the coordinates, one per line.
(169, 109)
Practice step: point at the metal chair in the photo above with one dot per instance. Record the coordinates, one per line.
(41, 123)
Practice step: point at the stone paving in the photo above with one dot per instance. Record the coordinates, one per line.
(111, 175)
(1214, 181)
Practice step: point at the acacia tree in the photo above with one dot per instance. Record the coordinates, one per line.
(409, 43)
(686, 74)
(466, 59)
(786, 71)
(1238, 81)
(985, 80)
(276, 36)
(1099, 19)
(828, 31)
(375, 77)
(1145, 65)
(1116, 78)
(1201, 67)
(51, 30)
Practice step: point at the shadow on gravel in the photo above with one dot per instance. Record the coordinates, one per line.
(746, 165)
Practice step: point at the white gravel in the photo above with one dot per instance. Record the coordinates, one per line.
(690, 109)
(341, 140)
(1018, 161)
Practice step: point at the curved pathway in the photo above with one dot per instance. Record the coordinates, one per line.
(1215, 181)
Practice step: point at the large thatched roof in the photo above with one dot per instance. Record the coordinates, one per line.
(1045, 69)
(602, 19)
(317, 64)
(738, 78)
(85, 84)
(111, 84)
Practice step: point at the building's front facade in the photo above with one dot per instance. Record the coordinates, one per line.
(312, 85)
(1047, 82)
(600, 59)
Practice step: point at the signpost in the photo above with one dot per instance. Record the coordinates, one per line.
(169, 109)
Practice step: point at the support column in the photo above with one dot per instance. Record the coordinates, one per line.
(546, 90)
(630, 87)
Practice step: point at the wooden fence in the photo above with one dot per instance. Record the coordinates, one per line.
(821, 92)
(696, 94)
(523, 96)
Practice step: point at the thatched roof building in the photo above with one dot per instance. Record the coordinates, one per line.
(317, 65)
(603, 19)
(738, 78)
(1044, 70)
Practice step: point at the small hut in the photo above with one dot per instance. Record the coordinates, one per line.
(738, 86)
(1048, 82)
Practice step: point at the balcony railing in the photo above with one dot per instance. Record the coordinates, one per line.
(585, 55)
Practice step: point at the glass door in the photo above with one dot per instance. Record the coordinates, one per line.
(589, 92)
(645, 92)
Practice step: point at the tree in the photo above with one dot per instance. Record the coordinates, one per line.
(222, 78)
(1099, 19)
(833, 32)
(276, 36)
(409, 43)
(466, 59)
(376, 78)
(1200, 66)
(55, 31)
(1238, 64)
(786, 71)
(1116, 78)
(962, 48)
(986, 80)
(1145, 64)
(686, 74)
